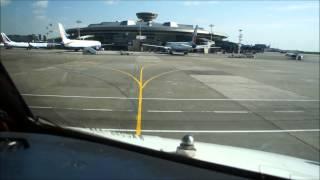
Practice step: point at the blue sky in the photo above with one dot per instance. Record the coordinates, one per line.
(283, 24)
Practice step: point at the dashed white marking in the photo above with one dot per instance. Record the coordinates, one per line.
(19, 73)
(45, 68)
(213, 131)
(39, 69)
(159, 111)
(232, 112)
(180, 111)
(288, 111)
(168, 99)
(154, 111)
(97, 109)
(64, 77)
(84, 97)
(79, 109)
(41, 107)
(206, 111)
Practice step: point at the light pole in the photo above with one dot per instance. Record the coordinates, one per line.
(49, 30)
(140, 38)
(78, 22)
(240, 39)
(139, 21)
(140, 30)
(211, 26)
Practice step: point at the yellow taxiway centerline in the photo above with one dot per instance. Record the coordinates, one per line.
(139, 113)
(141, 86)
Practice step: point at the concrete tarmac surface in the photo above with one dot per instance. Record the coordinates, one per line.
(269, 103)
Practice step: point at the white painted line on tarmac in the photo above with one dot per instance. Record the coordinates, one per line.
(224, 99)
(288, 111)
(155, 111)
(213, 131)
(168, 99)
(44, 69)
(108, 110)
(83, 97)
(80, 109)
(204, 111)
(180, 111)
(232, 112)
(19, 73)
(41, 107)
(159, 111)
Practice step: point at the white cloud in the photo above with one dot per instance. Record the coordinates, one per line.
(213, 2)
(298, 7)
(196, 3)
(41, 17)
(111, 2)
(42, 4)
(4, 2)
(191, 3)
(39, 9)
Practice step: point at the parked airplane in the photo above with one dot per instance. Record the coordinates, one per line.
(10, 44)
(183, 47)
(75, 43)
(295, 55)
(85, 37)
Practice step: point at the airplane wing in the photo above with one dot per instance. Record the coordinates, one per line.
(107, 44)
(185, 45)
(202, 47)
(156, 46)
(205, 39)
(84, 37)
(290, 54)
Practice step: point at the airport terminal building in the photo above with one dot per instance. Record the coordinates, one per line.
(129, 34)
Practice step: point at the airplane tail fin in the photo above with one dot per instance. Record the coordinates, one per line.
(5, 38)
(63, 33)
(194, 35)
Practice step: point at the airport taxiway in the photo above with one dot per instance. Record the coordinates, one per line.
(269, 103)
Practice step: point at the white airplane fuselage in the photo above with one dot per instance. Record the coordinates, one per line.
(10, 44)
(75, 43)
(38, 45)
(78, 44)
(25, 45)
(179, 46)
(17, 44)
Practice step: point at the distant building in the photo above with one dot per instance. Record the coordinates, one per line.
(24, 38)
(227, 46)
(126, 34)
(260, 47)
